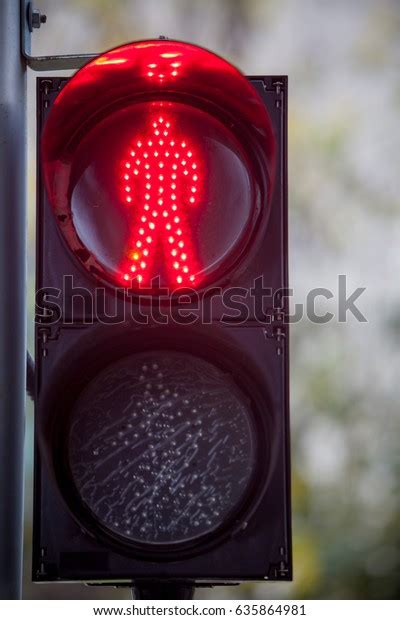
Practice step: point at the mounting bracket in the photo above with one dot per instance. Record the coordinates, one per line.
(32, 18)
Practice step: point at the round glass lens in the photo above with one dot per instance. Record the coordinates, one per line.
(162, 447)
(162, 194)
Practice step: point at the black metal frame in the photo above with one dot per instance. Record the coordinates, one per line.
(228, 360)
(91, 559)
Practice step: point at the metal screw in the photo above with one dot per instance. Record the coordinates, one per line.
(35, 18)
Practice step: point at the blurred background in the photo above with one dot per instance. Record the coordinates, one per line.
(342, 59)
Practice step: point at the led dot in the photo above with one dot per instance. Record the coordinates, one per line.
(145, 252)
(148, 186)
(185, 269)
(136, 254)
(174, 72)
(194, 166)
(146, 207)
(139, 278)
(148, 175)
(137, 161)
(161, 177)
(183, 162)
(179, 279)
(143, 218)
(128, 199)
(133, 153)
(150, 143)
(177, 155)
(126, 277)
(181, 244)
(160, 120)
(183, 256)
(161, 142)
(174, 252)
(145, 155)
(189, 153)
(149, 239)
(138, 245)
(165, 213)
(136, 171)
(147, 166)
(141, 231)
(170, 239)
(154, 213)
(150, 73)
(133, 268)
(168, 226)
(176, 265)
(172, 143)
(152, 225)
(166, 153)
(191, 278)
(161, 164)
(127, 165)
(155, 153)
(183, 144)
(147, 196)
(176, 219)
(174, 208)
(160, 201)
(179, 232)
(143, 264)
(168, 124)
(157, 133)
(160, 190)
(173, 197)
(139, 143)
(174, 167)
(193, 189)
(126, 177)
(173, 175)
(161, 76)
(185, 172)
(195, 177)
(191, 199)
(173, 186)
(154, 124)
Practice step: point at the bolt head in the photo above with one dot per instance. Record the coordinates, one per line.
(38, 18)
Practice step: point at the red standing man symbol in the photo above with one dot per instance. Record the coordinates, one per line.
(160, 187)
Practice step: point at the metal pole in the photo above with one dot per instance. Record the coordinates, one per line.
(12, 296)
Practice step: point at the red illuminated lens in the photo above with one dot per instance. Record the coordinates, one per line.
(161, 181)
(159, 158)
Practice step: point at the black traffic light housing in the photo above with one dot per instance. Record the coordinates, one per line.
(71, 349)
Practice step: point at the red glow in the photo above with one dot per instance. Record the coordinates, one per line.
(160, 187)
(184, 202)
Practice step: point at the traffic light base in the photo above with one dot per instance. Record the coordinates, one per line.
(159, 591)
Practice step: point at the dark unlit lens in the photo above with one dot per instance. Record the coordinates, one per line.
(162, 447)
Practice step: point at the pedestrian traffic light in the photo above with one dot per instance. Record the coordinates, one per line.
(162, 376)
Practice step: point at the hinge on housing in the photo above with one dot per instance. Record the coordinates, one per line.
(50, 87)
(280, 570)
(278, 85)
(46, 86)
(45, 335)
(277, 329)
(41, 572)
